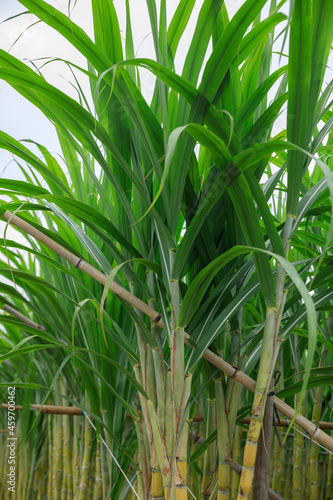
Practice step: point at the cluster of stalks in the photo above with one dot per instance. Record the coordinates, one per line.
(162, 426)
(59, 458)
(313, 478)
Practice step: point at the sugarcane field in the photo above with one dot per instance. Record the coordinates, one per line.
(166, 249)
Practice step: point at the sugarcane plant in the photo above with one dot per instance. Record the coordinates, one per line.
(175, 249)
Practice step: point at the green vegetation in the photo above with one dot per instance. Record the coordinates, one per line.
(194, 206)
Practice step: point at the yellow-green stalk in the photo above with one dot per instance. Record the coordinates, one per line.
(169, 433)
(58, 454)
(85, 468)
(177, 371)
(314, 453)
(140, 339)
(50, 457)
(298, 437)
(143, 402)
(287, 476)
(157, 481)
(182, 441)
(68, 455)
(224, 443)
(279, 453)
(329, 482)
(237, 453)
(44, 468)
(105, 457)
(92, 470)
(144, 480)
(210, 454)
(98, 488)
(258, 406)
(160, 448)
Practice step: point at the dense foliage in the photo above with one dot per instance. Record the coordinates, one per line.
(194, 205)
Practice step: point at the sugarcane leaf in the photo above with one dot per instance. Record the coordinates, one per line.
(299, 81)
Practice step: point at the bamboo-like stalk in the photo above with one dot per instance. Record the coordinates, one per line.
(269, 354)
(182, 441)
(224, 443)
(160, 448)
(51, 409)
(58, 448)
(21, 317)
(144, 479)
(177, 373)
(277, 469)
(329, 482)
(157, 481)
(68, 456)
(44, 468)
(265, 369)
(169, 429)
(148, 426)
(278, 452)
(298, 438)
(314, 454)
(237, 453)
(312, 430)
(92, 472)
(287, 476)
(58, 452)
(210, 454)
(50, 442)
(84, 483)
(98, 487)
(263, 458)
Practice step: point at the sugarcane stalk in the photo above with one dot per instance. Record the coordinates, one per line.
(269, 354)
(160, 387)
(229, 370)
(224, 443)
(207, 484)
(314, 452)
(182, 441)
(157, 486)
(59, 446)
(144, 479)
(69, 457)
(237, 453)
(157, 482)
(169, 429)
(85, 468)
(263, 462)
(160, 448)
(145, 412)
(329, 482)
(150, 386)
(142, 344)
(278, 452)
(77, 432)
(287, 483)
(298, 438)
(98, 487)
(177, 371)
(264, 377)
(92, 472)
(174, 291)
(156, 330)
